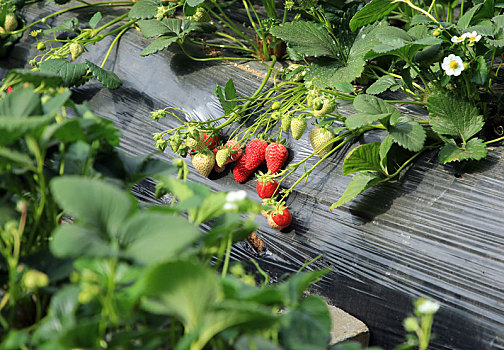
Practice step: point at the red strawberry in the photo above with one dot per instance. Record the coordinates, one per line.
(255, 151)
(236, 151)
(266, 188)
(211, 140)
(9, 89)
(240, 172)
(280, 219)
(276, 154)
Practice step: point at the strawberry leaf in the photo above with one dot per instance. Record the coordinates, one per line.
(108, 78)
(372, 12)
(373, 105)
(95, 19)
(360, 182)
(454, 117)
(358, 120)
(144, 9)
(71, 73)
(363, 157)
(382, 84)
(407, 133)
(159, 44)
(332, 72)
(306, 38)
(151, 28)
(474, 149)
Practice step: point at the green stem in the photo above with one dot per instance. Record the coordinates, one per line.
(97, 4)
(116, 39)
(227, 255)
(215, 58)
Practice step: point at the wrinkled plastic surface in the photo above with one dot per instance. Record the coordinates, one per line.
(430, 233)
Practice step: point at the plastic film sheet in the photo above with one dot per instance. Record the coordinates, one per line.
(438, 231)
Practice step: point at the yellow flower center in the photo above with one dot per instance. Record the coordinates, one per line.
(454, 65)
(472, 38)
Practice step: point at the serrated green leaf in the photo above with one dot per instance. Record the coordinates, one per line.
(420, 19)
(159, 44)
(155, 237)
(481, 71)
(372, 12)
(474, 149)
(194, 3)
(68, 25)
(452, 116)
(15, 158)
(94, 203)
(358, 120)
(108, 78)
(365, 157)
(381, 85)
(408, 133)
(360, 182)
(21, 102)
(35, 78)
(12, 128)
(344, 87)
(465, 20)
(306, 38)
(71, 73)
(384, 150)
(74, 241)
(331, 72)
(144, 9)
(95, 19)
(484, 29)
(152, 27)
(373, 105)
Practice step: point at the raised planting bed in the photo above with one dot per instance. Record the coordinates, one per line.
(434, 231)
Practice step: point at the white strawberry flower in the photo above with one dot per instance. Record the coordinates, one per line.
(453, 65)
(428, 307)
(232, 199)
(473, 37)
(458, 39)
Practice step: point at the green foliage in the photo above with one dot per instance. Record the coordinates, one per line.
(364, 157)
(144, 9)
(227, 97)
(372, 12)
(360, 182)
(108, 78)
(306, 38)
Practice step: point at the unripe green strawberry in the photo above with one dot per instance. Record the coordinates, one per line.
(286, 122)
(195, 140)
(309, 101)
(276, 115)
(298, 126)
(76, 50)
(222, 156)
(204, 162)
(41, 46)
(328, 106)
(201, 16)
(318, 138)
(175, 142)
(11, 22)
(33, 279)
(276, 105)
(317, 103)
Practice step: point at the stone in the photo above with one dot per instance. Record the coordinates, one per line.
(346, 328)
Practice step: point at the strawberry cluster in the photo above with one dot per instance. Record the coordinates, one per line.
(208, 154)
